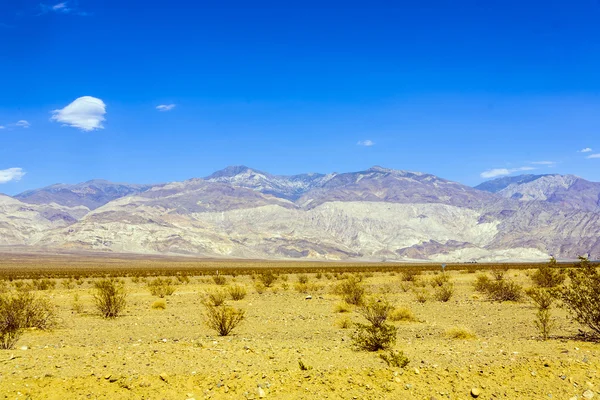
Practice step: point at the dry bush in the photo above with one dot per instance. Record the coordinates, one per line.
(237, 292)
(351, 290)
(215, 298)
(543, 300)
(409, 275)
(183, 279)
(159, 305)
(402, 314)
(421, 295)
(394, 358)
(444, 293)
(499, 273)
(481, 283)
(68, 283)
(110, 297)
(581, 296)
(23, 310)
(439, 280)
(219, 279)
(302, 278)
(319, 275)
(43, 284)
(548, 276)
(460, 333)
(223, 319)
(342, 307)
(499, 288)
(377, 334)
(76, 306)
(11, 326)
(267, 278)
(259, 287)
(161, 287)
(343, 323)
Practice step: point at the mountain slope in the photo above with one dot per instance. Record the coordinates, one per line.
(91, 194)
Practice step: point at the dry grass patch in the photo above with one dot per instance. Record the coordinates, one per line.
(402, 314)
(460, 333)
(343, 323)
(159, 305)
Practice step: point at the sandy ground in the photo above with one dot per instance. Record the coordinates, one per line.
(171, 354)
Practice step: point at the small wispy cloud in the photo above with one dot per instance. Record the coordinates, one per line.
(597, 155)
(586, 150)
(22, 124)
(2, 127)
(11, 174)
(366, 143)
(165, 107)
(495, 172)
(62, 8)
(548, 163)
(85, 113)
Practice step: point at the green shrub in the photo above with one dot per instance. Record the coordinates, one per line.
(394, 358)
(351, 290)
(267, 278)
(376, 335)
(548, 276)
(216, 298)
(110, 297)
(581, 296)
(543, 300)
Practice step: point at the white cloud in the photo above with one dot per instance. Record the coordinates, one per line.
(86, 113)
(493, 173)
(165, 107)
(366, 143)
(22, 124)
(11, 174)
(60, 7)
(1, 127)
(586, 150)
(597, 155)
(549, 163)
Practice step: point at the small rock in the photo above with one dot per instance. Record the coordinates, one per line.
(261, 393)
(309, 297)
(588, 394)
(533, 373)
(24, 348)
(164, 377)
(107, 377)
(475, 392)
(416, 371)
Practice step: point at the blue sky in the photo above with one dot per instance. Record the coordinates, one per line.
(460, 89)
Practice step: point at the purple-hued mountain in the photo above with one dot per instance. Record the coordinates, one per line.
(376, 214)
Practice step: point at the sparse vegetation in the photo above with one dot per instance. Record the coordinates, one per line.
(215, 298)
(421, 295)
(343, 323)
(582, 295)
(267, 278)
(110, 297)
(159, 305)
(219, 279)
(548, 275)
(20, 311)
(460, 333)
(402, 314)
(394, 358)
(237, 292)
(543, 300)
(444, 292)
(223, 319)
(161, 287)
(342, 307)
(377, 334)
(499, 288)
(351, 290)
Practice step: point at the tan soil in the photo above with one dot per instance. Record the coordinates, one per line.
(171, 354)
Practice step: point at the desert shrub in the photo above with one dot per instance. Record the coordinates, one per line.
(402, 314)
(43, 284)
(581, 296)
(409, 275)
(460, 333)
(481, 283)
(499, 273)
(110, 297)
(223, 319)
(421, 295)
(439, 280)
(376, 335)
(76, 305)
(219, 279)
(159, 305)
(68, 283)
(259, 287)
(394, 358)
(319, 275)
(36, 312)
(237, 292)
(343, 323)
(282, 277)
(543, 300)
(303, 367)
(302, 278)
(215, 298)
(342, 307)
(405, 287)
(444, 293)
(183, 279)
(351, 290)
(267, 278)
(548, 276)
(499, 289)
(161, 287)
(11, 326)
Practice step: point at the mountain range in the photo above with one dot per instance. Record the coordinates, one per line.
(378, 214)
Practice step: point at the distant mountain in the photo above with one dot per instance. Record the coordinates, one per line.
(289, 187)
(496, 185)
(91, 194)
(376, 214)
(570, 191)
